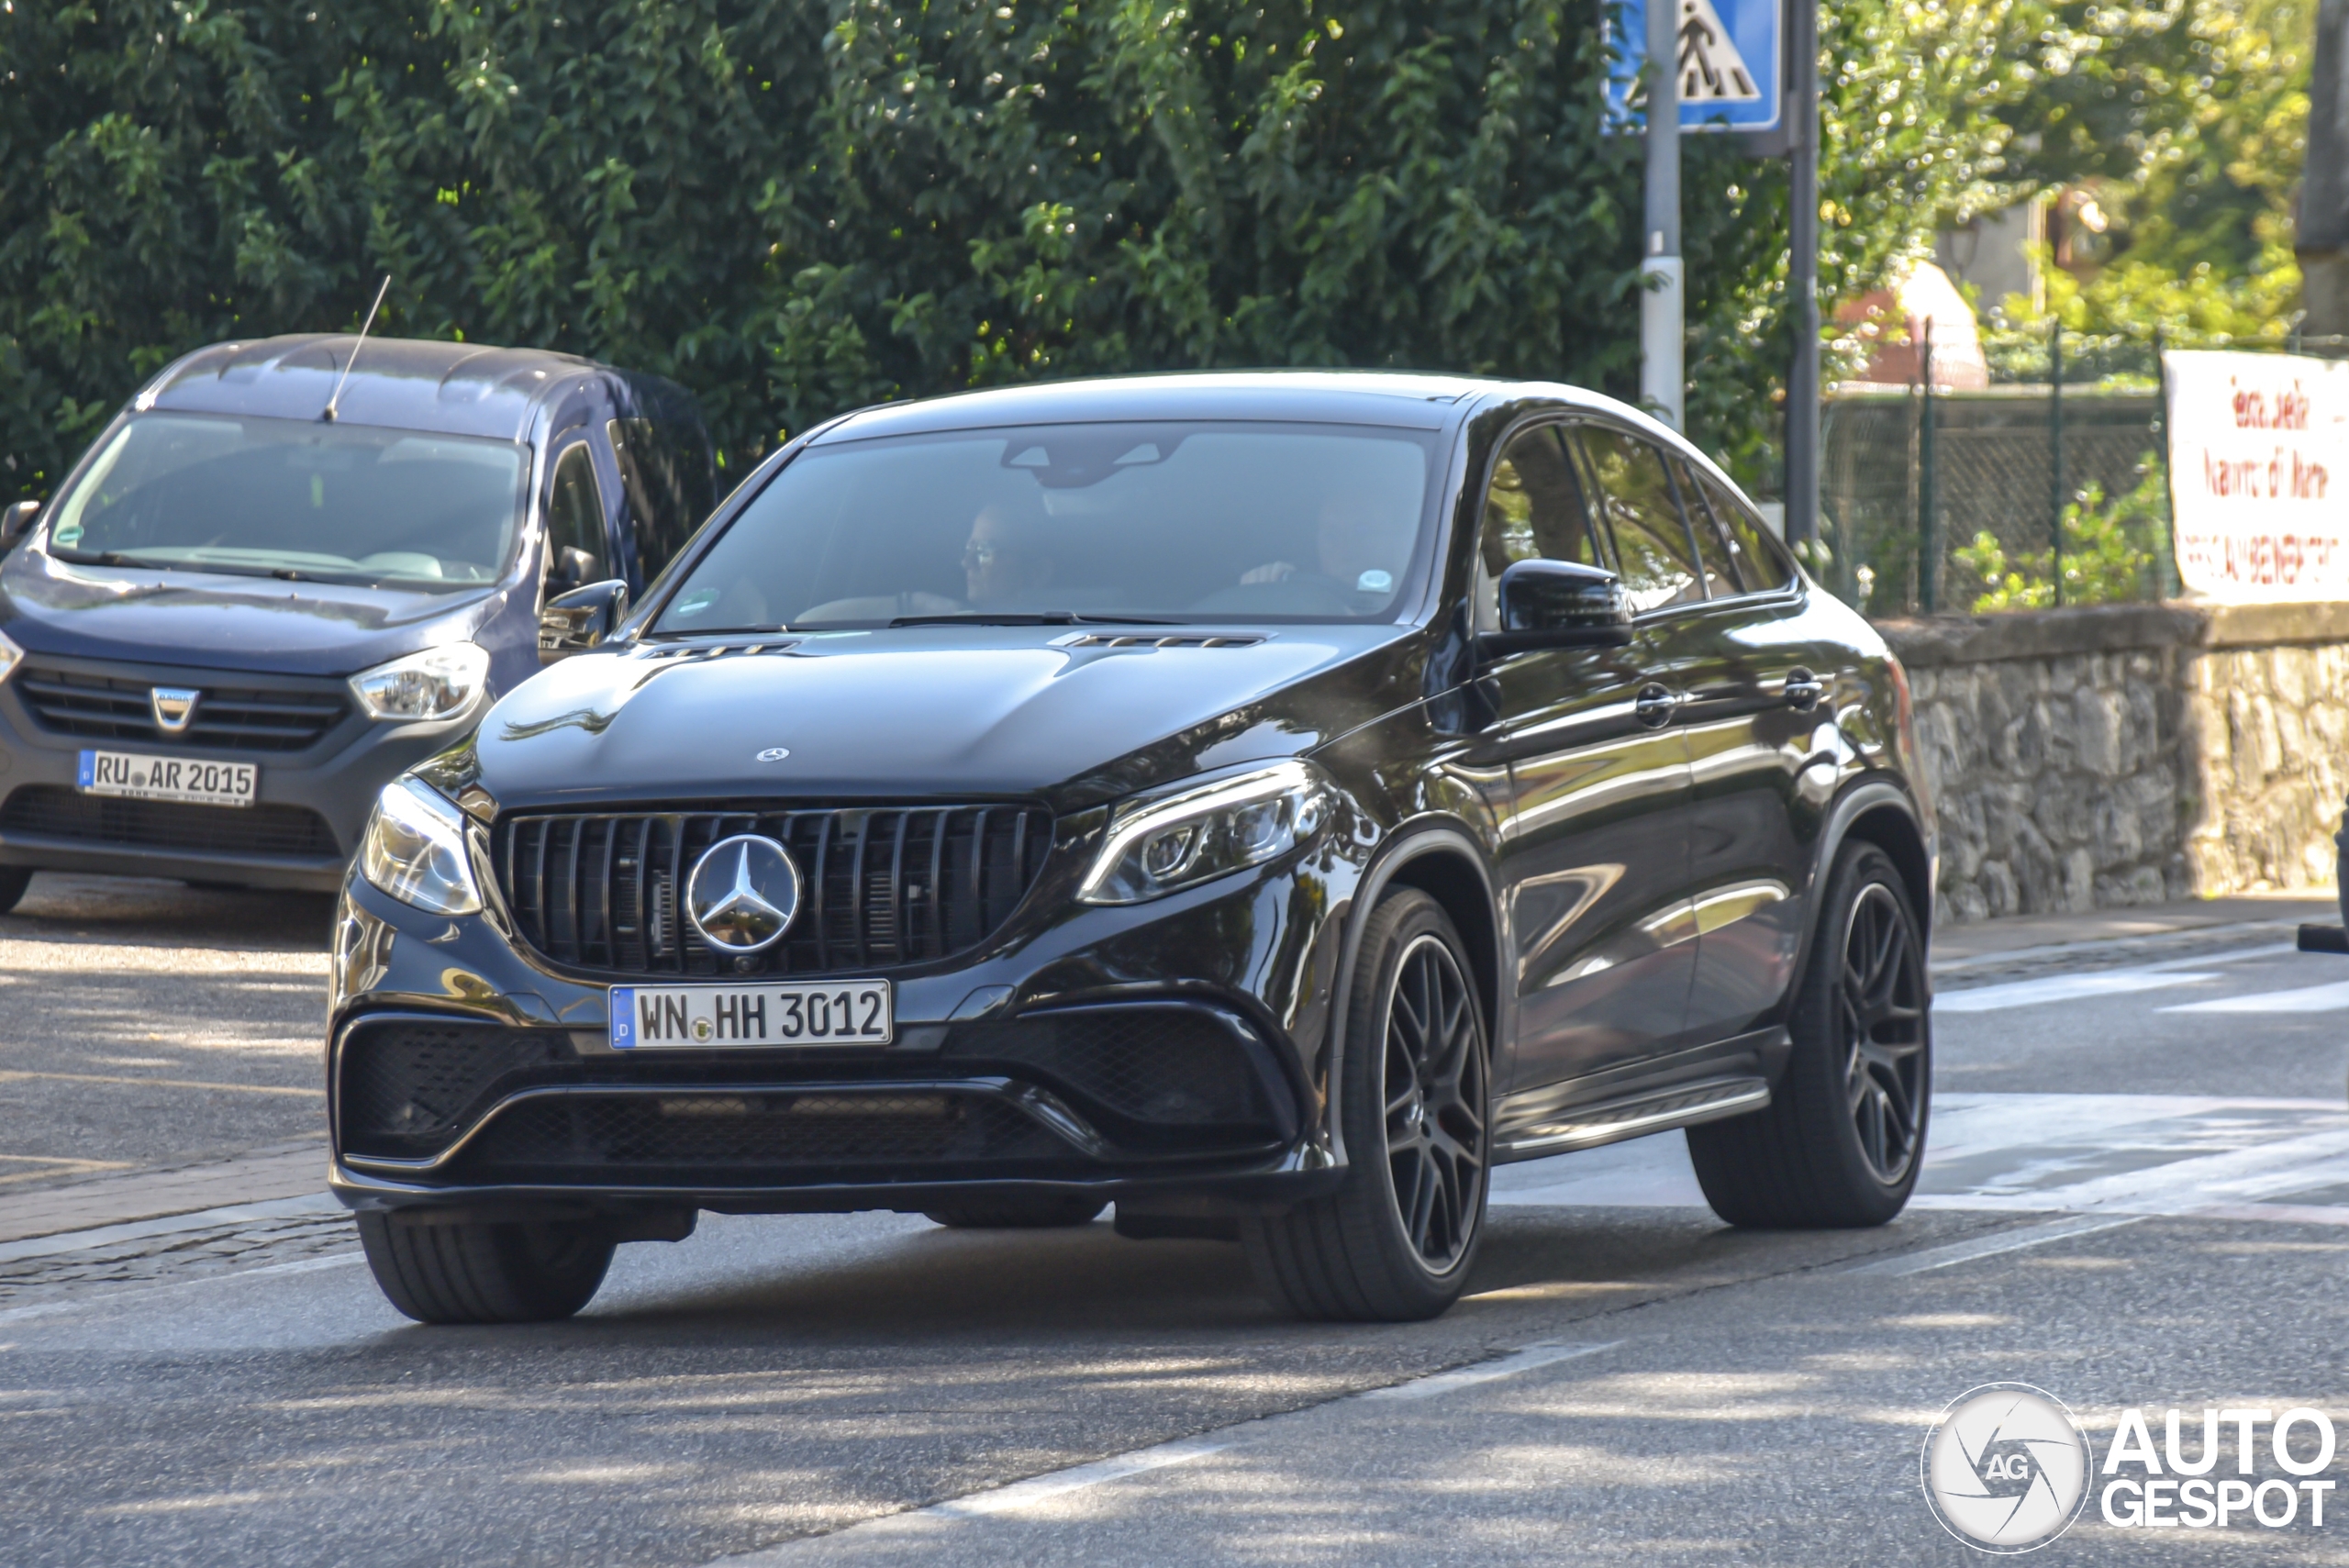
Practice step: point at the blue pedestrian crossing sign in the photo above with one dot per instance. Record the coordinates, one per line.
(1730, 66)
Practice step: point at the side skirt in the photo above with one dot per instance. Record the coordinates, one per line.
(1724, 1079)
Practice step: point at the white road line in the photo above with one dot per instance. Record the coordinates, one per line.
(1041, 1488)
(2097, 983)
(1992, 1246)
(2061, 988)
(1021, 1496)
(2330, 998)
(1525, 1360)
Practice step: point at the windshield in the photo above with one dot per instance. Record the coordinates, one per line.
(1149, 523)
(295, 498)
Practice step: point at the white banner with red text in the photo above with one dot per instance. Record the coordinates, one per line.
(2258, 443)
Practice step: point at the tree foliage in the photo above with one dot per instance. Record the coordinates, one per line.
(795, 206)
(2189, 118)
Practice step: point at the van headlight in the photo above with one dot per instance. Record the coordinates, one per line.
(1174, 841)
(439, 682)
(414, 850)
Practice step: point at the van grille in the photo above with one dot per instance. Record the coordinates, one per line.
(235, 719)
(880, 886)
(53, 811)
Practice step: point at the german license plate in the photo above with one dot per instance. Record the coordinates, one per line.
(137, 777)
(701, 1017)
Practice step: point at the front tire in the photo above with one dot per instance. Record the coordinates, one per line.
(487, 1274)
(14, 879)
(1395, 1242)
(1842, 1140)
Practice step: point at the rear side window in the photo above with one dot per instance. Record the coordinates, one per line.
(1722, 579)
(1760, 563)
(1653, 547)
(666, 471)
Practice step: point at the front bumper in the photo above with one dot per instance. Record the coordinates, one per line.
(1165, 1056)
(311, 804)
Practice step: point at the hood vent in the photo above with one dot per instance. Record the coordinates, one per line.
(702, 653)
(1147, 641)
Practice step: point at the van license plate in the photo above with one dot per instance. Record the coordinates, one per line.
(709, 1018)
(135, 777)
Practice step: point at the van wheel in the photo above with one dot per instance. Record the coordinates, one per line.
(1840, 1141)
(487, 1274)
(1396, 1242)
(14, 879)
(1017, 1214)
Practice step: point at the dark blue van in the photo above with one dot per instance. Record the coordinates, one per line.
(244, 611)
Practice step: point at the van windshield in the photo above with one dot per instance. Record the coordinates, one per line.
(296, 499)
(1161, 522)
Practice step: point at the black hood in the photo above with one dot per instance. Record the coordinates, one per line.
(218, 621)
(921, 713)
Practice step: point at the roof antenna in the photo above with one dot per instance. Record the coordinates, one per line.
(363, 328)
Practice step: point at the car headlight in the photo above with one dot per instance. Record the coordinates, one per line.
(1176, 840)
(414, 850)
(10, 656)
(435, 683)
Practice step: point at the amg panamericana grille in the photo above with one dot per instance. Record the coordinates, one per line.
(880, 885)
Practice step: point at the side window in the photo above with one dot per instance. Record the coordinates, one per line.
(1534, 508)
(666, 475)
(1760, 563)
(1721, 578)
(576, 550)
(1652, 545)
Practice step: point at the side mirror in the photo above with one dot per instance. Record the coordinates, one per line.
(16, 522)
(581, 619)
(1558, 603)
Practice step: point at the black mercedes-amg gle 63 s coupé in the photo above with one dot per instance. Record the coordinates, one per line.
(1262, 802)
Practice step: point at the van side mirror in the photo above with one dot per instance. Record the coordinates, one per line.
(1558, 603)
(581, 619)
(16, 522)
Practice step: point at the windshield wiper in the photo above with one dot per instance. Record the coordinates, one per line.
(1038, 618)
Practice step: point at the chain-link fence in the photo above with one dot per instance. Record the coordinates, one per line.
(2048, 488)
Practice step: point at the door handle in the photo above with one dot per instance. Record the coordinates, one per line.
(1655, 705)
(1803, 690)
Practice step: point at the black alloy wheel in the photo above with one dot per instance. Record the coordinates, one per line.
(1843, 1139)
(1397, 1240)
(1434, 1094)
(1880, 1012)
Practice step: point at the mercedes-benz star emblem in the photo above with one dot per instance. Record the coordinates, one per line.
(742, 893)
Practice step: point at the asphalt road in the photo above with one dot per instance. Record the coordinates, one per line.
(2139, 1196)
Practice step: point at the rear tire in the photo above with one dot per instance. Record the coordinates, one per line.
(14, 879)
(1396, 1242)
(1840, 1142)
(1017, 1214)
(487, 1274)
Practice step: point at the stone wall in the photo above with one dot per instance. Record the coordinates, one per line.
(2130, 754)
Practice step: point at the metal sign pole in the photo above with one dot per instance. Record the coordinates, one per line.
(1661, 375)
(1802, 272)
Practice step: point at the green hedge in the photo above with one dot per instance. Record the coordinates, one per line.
(795, 208)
